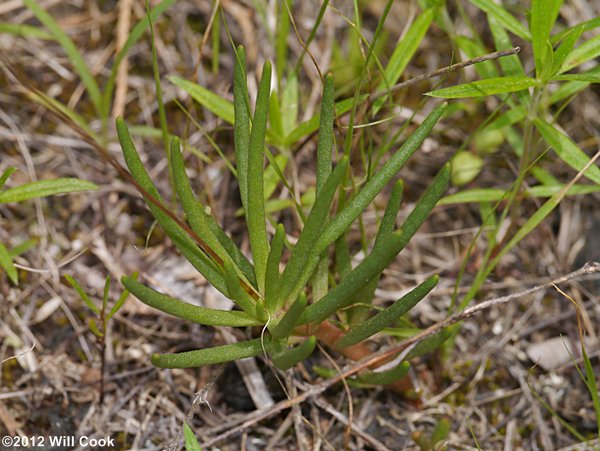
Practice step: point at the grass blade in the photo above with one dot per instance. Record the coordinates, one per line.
(6, 175)
(68, 46)
(134, 36)
(184, 310)
(403, 52)
(507, 20)
(543, 15)
(482, 88)
(255, 213)
(82, 294)
(44, 188)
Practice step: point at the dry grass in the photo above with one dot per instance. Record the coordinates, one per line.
(485, 385)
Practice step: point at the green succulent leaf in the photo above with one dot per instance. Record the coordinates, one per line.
(284, 326)
(290, 288)
(380, 257)
(291, 357)
(210, 356)
(386, 317)
(385, 377)
(190, 250)
(184, 310)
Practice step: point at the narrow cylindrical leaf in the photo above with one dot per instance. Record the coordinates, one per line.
(290, 357)
(284, 326)
(236, 292)
(385, 377)
(202, 223)
(272, 275)
(209, 356)
(325, 146)
(291, 282)
(386, 317)
(196, 256)
(241, 128)
(342, 295)
(255, 213)
(183, 310)
(355, 207)
(388, 222)
(429, 344)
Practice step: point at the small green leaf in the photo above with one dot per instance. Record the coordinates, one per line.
(191, 443)
(82, 294)
(290, 357)
(542, 20)
(180, 309)
(485, 87)
(565, 48)
(94, 328)
(43, 188)
(6, 175)
(385, 377)
(210, 356)
(567, 150)
(585, 52)
(7, 264)
(214, 103)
